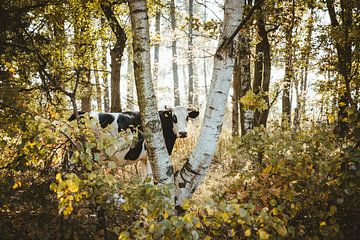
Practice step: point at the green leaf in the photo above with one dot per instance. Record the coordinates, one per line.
(112, 165)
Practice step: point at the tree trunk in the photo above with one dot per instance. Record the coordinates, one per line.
(97, 83)
(262, 70)
(191, 92)
(104, 70)
(150, 120)
(193, 171)
(304, 74)
(174, 54)
(157, 46)
(83, 64)
(205, 59)
(266, 78)
(130, 81)
(116, 54)
(343, 45)
(86, 93)
(289, 73)
(236, 86)
(242, 118)
(246, 115)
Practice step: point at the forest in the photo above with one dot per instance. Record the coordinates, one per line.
(180, 119)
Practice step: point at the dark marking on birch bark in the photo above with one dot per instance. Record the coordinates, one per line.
(137, 11)
(188, 168)
(170, 171)
(153, 125)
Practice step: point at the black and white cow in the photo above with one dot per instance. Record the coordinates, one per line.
(174, 125)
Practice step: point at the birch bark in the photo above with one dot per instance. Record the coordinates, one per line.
(193, 171)
(174, 54)
(150, 120)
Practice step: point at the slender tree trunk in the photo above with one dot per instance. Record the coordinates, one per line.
(174, 54)
(289, 73)
(246, 115)
(236, 94)
(204, 60)
(83, 64)
(104, 70)
(116, 55)
(266, 79)
(157, 46)
(262, 70)
(304, 73)
(86, 93)
(130, 80)
(150, 120)
(193, 171)
(97, 82)
(343, 45)
(191, 93)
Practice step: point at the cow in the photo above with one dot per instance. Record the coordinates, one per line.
(173, 122)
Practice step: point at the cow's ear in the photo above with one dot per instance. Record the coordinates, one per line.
(193, 114)
(167, 114)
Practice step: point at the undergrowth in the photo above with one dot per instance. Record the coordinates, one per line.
(268, 185)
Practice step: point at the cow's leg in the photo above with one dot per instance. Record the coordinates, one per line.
(148, 169)
(145, 168)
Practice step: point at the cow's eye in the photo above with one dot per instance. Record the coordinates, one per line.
(175, 119)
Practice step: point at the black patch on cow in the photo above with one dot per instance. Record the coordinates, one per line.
(127, 120)
(134, 153)
(167, 126)
(131, 120)
(182, 185)
(105, 119)
(73, 117)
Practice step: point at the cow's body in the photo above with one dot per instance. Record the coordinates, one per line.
(173, 121)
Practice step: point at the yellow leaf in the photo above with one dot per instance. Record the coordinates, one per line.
(341, 104)
(68, 209)
(58, 177)
(72, 186)
(187, 218)
(263, 234)
(186, 204)
(332, 210)
(323, 223)
(275, 211)
(16, 185)
(166, 215)
(198, 225)
(281, 230)
(232, 232)
(225, 216)
(152, 228)
(124, 236)
(247, 232)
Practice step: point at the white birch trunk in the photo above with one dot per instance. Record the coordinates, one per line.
(150, 120)
(193, 171)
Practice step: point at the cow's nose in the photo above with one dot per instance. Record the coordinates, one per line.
(183, 134)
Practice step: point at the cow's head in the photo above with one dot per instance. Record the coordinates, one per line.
(180, 116)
